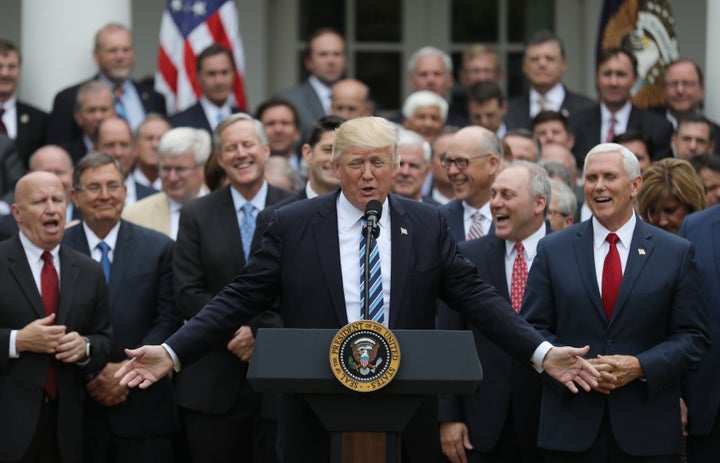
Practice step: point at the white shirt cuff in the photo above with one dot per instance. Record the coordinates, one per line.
(12, 353)
(173, 356)
(539, 355)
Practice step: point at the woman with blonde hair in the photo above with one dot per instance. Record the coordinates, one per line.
(671, 190)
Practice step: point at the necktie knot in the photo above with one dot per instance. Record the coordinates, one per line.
(519, 247)
(247, 209)
(47, 258)
(612, 238)
(118, 91)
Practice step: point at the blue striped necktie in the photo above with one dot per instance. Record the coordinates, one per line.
(247, 228)
(377, 312)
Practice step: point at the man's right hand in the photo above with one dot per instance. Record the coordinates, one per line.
(41, 336)
(147, 365)
(455, 440)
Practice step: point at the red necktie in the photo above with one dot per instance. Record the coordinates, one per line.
(611, 276)
(50, 296)
(611, 130)
(3, 129)
(519, 278)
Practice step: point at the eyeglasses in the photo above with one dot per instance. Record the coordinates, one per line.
(179, 170)
(96, 188)
(683, 83)
(461, 163)
(553, 213)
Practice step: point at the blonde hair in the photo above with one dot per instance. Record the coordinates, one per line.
(366, 132)
(670, 178)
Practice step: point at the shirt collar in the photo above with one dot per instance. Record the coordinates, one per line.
(111, 85)
(484, 210)
(258, 200)
(621, 116)
(9, 103)
(93, 240)
(350, 216)
(34, 252)
(624, 233)
(529, 244)
(553, 98)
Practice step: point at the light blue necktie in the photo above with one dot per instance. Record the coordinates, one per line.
(377, 313)
(119, 107)
(247, 228)
(105, 259)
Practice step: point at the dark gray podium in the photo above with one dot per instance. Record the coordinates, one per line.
(432, 362)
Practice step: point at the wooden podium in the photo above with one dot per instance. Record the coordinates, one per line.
(433, 362)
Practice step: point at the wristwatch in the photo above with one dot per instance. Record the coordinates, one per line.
(88, 347)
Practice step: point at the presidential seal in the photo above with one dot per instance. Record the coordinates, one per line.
(364, 356)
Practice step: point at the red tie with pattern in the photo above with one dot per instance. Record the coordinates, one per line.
(611, 276)
(50, 296)
(611, 130)
(519, 277)
(3, 129)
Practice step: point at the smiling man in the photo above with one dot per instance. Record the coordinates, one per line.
(414, 153)
(472, 162)
(308, 261)
(633, 292)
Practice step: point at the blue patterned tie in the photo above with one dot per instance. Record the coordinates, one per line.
(247, 228)
(105, 258)
(377, 313)
(119, 107)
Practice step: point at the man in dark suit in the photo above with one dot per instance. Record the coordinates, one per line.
(543, 65)
(615, 114)
(499, 421)
(20, 121)
(54, 328)
(220, 410)
(415, 153)
(321, 236)
(633, 293)
(700, 388)
(12, 166)
(216, 77)
(114, 137)
(325, 62)
(93, 104)
(472, 162)
(125, 426)
(115, 57)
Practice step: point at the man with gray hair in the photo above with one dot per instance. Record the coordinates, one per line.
(414, 152)
(563, 205)
(182, 152)
(431, 69)
(221, 412)
(633, 293)
(425, 113)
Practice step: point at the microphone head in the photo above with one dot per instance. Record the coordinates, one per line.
(373, 209)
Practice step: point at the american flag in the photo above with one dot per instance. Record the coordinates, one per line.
(187, 28)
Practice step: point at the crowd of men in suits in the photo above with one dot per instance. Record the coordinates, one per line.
(144, 219)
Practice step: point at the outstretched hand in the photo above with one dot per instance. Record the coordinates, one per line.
(147, 365)
(566, 365)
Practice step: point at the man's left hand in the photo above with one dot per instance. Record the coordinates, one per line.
(105, 388)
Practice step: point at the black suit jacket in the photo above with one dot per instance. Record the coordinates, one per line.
(208, 255)
(194, 116)
(509, 388)
(586, 125)
(518, 113)
(12, 166)
(299, 262)
(264, 217)
(142, 311)
(75, 147)
(31, 129)
(62, 125)
(83, 308)
(659, 317)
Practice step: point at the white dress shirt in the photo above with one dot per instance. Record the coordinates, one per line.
(93, 241)
(323, 92)
(553, 99)
(9, 117)
(213, 113)
(622, 117)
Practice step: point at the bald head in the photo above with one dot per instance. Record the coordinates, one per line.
(39, 208)
(350, 99)
(52, 158)
(562, 155)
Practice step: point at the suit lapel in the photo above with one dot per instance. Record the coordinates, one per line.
(328, 248)
(495, 264)
(122, 256)
(585, 256)
(639, 253)
(20, 269)
(69, 274)
(402, 236)
(455, 220)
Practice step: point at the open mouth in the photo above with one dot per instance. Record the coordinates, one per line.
(51, 226)
(602, 199)
(501, 218)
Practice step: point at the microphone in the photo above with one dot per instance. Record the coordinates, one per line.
(373, 211)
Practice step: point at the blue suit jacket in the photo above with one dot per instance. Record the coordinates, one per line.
(508, 386)
(142, 311)
(702, 394)
(299, 262)
(659, 317)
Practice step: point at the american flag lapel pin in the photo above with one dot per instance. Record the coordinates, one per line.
(403, 231)
(641, 252)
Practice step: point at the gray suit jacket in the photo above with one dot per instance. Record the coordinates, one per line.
(307, 104)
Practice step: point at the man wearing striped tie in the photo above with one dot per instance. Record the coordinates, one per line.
(472, 162)
(309, 260)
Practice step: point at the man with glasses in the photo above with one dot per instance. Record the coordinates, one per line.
(123, 425)
(472, 162)
(182, 152)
